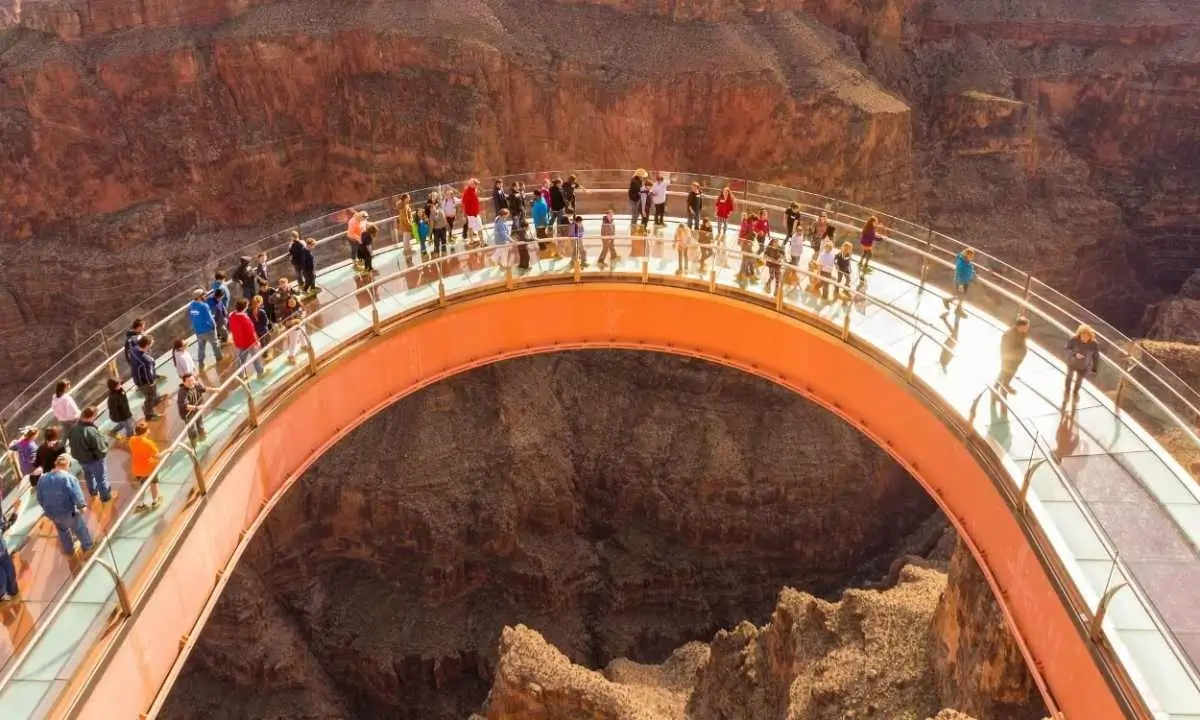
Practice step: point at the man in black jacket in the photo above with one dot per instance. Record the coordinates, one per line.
(635, 197)
(1012, 354)
(558, 204)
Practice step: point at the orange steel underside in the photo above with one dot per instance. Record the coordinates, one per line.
(476, 332)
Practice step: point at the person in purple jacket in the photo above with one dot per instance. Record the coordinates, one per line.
(1083, 357)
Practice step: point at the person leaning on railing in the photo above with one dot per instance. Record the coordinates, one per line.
(1083, 357)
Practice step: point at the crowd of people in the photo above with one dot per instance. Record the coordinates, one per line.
(526, 223)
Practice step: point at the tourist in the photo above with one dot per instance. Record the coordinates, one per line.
(51, 449)
(472, 207)
(119, 411)
(25, 450)
(608, 232)
(705, 240)
(795, 244)
(558, 205)
(308, 273)
(62, 501)
(695, 204)
(135, 331)
(291, 315)
(964, 275)
(520, 238)
(144, 457)
(262, 273)
(842, 262)
(261, 319)
(724, 207)
(569, 188)
(181, 358)
(773, 254)
(683, 240)
(762, 229)
(9, 591)
(366, 243)
(792, 217)
(354, 230)
(221, 282)
(1012, 354)
(826, 262)
(515, 201)
(296, 253)
(578, 249)
(405, 224)
(541, 221)
(423, 231)
(658, 193)
(204, 325)
(245, 340)
(188, 400)
(63, 406)
(144, 377)
(90, 448)
(450, 203)
(635, 197)
(645, 203)
(438, 225)
(866, 242)
(749, 267)
(501, 238)
(822, 230)
(244, 275)
(1083, 357)
(218, 304)
(499, 199)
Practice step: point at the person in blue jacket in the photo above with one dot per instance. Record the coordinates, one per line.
(541, 220)
(205, 327)
(964, 275)
(144, 377)
(62, 501)
(218, 303)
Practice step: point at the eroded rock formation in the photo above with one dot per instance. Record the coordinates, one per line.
(620, 504)
(863, 656)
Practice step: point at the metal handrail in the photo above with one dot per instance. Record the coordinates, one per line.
(1159, 371)
(922, 326)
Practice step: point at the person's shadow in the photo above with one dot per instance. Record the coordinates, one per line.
(1066, 437)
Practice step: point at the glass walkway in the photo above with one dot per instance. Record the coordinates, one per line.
(1109, 487)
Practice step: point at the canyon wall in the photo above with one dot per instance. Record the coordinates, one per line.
(621, 504)
(139, 139)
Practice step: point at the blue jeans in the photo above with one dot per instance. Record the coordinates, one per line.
(68, 525)
(209, 338)
(96, 476)
(124, 427)
(243, 357)
(8, 574)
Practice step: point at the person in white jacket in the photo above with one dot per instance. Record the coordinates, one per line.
(658, 195)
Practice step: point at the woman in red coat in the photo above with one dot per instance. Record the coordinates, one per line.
(473, 228)
(724, 208)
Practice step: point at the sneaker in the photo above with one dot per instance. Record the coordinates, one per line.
(291, 359)
(946, 302)
(110, 498)
(960, 313)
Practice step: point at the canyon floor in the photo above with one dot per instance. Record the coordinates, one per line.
(644, 514)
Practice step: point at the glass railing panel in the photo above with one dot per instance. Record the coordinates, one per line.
(138, 536)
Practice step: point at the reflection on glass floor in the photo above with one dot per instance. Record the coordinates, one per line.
(1144, 502)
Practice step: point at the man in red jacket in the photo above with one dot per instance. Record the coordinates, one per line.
(473, 229)
(245, 339)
